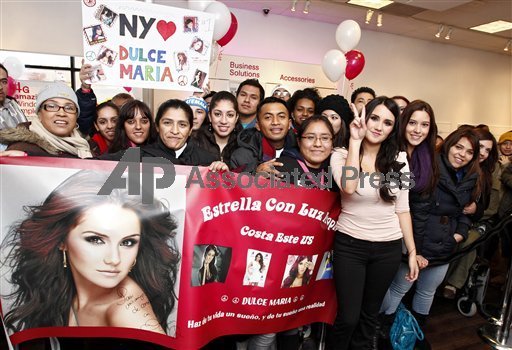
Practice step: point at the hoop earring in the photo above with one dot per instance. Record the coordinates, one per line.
(64, 259)
(133, 265)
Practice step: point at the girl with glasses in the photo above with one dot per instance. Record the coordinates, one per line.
(308, 165)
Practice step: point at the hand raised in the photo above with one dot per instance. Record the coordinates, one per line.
(358, 125)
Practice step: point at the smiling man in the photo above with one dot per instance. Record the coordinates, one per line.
(259, 147)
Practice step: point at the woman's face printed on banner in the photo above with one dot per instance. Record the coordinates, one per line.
(102, 248)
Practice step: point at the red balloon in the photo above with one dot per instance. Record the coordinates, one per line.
(11, 86)
(231, 32)
(355, 64)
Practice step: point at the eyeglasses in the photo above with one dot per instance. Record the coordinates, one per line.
(4, 82)
(281, 93)
(313, 138)
(52, 107)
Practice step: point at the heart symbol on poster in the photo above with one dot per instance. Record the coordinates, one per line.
(166, 29)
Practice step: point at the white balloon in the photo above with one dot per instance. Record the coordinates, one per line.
(222, 19)
(199, 5)
(334, 64)
(14, 67)
(348, 35)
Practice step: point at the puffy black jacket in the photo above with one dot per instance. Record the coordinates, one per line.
(439, 217)
(206, 140)
(249, 153)
(191, 155)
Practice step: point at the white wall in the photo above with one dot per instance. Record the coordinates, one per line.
(463, 85)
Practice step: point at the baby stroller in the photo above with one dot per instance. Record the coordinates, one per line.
(472, 297)
(473, 294)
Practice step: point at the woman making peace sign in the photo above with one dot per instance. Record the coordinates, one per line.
(373, 177)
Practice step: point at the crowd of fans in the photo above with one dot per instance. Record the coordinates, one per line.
(387, 235)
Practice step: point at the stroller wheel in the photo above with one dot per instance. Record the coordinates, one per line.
(466, 307)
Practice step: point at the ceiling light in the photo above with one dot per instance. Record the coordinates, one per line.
(379, 20)
(369, 15)
(440, 31)
(449, 34)
(493, 27)
(507, 47)
(306, 7)
(294, 4)
(373, 4)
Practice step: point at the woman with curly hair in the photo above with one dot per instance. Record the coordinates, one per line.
(299, 274)
(83, 259)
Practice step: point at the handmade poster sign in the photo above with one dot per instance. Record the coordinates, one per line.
(146, 45)
(200, 260)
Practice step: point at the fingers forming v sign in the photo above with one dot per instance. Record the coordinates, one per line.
(358, 125)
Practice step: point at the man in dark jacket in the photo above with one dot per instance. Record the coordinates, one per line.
(258, 148)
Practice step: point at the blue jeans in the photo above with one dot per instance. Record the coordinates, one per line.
(428, 280)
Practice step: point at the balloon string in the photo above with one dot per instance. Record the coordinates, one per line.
(343, 86)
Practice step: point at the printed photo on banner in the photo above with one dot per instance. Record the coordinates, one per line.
(258, 263)
(190, 24)
(298, 271)
(181, 61)
(94, 34)
(325, 270)
(83, 259)
(210, 265)
(147, 45)
(106, 56)
(106, 15)
(199, 78)
(97, 74)
(198, 45)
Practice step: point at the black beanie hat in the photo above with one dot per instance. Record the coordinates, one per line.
(338, 104)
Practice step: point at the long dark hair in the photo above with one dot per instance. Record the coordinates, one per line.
(44, 290)
(423, 158)
(98, 109)
(294, 271)
(212, 266)
(262, 264)
(128, 111)
(386, 157)
(232, 145)
(473, 166)
(488, 166)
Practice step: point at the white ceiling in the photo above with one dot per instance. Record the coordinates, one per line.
(413, 18)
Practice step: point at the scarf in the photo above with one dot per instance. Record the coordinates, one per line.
(269, 152)
(74, 144)
(100, 141)
(421, 166)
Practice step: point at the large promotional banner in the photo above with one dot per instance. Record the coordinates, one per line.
(132, 43)
(192, 264)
